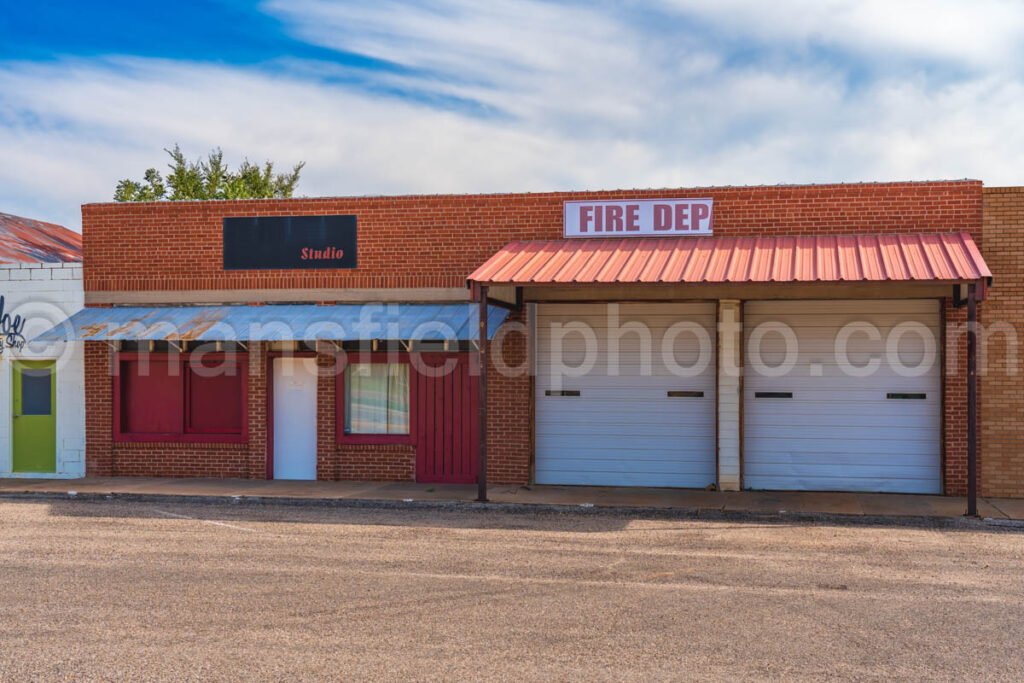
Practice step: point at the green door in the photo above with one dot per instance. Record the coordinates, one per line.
(35, 416)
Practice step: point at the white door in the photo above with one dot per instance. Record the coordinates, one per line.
(644, 416)
(859, 410)
(295, 418)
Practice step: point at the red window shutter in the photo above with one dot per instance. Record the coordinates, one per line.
(151, 396)
(215, 390)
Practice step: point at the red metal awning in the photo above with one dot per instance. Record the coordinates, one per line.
(943, 257)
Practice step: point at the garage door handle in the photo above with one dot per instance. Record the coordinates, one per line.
(903, 396)
(563, 392)
(685, 394)
(773, 394)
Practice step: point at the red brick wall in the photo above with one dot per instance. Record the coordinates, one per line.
(435, 241)
(1002, 412)
(954, 396)
(99, 411)
(509, 401)
(257, 453)
(326, 446)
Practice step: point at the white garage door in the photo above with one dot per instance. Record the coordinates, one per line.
(859, 414)
(641, 416)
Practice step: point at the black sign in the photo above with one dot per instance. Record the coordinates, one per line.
(268, 242)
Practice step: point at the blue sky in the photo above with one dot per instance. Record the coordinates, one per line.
(399, 96)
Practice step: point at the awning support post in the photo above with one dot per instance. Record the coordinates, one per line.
(972, 400)
(481, 462)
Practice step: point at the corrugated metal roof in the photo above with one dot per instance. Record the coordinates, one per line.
(343, 322)
(950, 257)
(25, 240)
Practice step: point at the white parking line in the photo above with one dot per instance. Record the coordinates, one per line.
(204, 521)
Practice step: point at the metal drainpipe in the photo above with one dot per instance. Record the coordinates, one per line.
(481, 464)
(972, 401)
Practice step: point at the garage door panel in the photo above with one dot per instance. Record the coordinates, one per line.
(796, 426)
(797, 481)
(890, 434)
(863, 405)
(566, 331)
(626, 459)
(640, 469)
(671, 443)
(863, 422)
(838, 307)
(623, 429)
(814, 322)
(909, 351)
(819, 415)
(640, 479)
(912, 357)
(654, 427)
(873, 375)
(627, 311)
(598, 399)
(597, 408)
(772, 448)
(636, 462)
(815, 388)
(652, 423)
(823, 339)
(861, 366)
(685, 366)
(862, 458)
(824, 471)
(577, 357)
(660, 383)
(827, 396)
(839, 431)
(657, 414)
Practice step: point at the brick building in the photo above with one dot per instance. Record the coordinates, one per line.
(650, 352)
(1002, 429)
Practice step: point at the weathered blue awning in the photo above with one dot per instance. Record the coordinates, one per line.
(285, 322)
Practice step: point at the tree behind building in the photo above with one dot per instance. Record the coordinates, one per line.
(209, 179)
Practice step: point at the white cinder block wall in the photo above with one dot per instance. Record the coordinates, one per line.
(45, 294)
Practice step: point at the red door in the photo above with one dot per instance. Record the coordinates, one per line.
(446, 419)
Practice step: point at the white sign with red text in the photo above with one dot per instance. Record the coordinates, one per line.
(638, 218)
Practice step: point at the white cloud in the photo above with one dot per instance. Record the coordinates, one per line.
(527, 59)
(566, 97)
(984, 34)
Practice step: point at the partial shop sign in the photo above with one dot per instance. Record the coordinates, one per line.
(638, 218)
(12, 328)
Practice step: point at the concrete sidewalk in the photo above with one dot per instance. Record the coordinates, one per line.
(757, 502)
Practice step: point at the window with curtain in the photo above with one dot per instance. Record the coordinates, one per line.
(377, 398)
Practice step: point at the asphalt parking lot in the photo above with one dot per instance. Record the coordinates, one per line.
(151, 591)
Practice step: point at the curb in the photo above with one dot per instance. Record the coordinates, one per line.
(455, 506)
(1010, 523)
